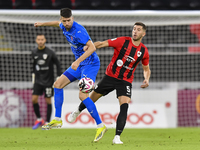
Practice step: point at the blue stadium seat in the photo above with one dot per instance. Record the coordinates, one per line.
(140, 5)
(23, 4)
(120, 4)
(6, 4)
(43, 4)
(80, 4)
(58, 4)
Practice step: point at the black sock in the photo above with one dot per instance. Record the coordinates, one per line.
(49, 110)
(36, 108)
(81, 107)
(121, 119)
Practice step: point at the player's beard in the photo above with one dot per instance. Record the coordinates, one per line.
(137, 39)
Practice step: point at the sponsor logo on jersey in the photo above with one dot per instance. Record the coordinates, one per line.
(129, 58)
(41, 62)
(119, 63)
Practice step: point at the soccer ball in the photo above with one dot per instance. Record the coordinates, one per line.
(86, 85)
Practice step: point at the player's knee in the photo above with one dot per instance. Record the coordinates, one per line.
(83, 96)
(34, 100)
(57, 85)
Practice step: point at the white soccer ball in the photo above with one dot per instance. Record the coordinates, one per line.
(86, 85)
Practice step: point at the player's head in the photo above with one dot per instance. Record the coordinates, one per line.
(40, 40)
(66, 18)
(139, 31)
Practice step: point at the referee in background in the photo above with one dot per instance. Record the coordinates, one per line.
(43, 77)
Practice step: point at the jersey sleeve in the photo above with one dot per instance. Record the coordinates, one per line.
(82, 36)
(57, 63)
(145, 60)
(116, 42)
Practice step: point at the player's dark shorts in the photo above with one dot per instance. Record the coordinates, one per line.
(40, 90)
(108, 84)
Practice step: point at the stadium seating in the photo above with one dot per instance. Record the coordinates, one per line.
(120, 5)
(101, 4)
(160, 5)
(6, 4)
(140, 5)
(80, 4)
(179, 4)
(58, 4)
(23, 4)
(194, 4)
(43, 4)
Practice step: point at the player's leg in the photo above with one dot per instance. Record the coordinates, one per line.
(124, 96)
(105, 86)
(37, 90)
(66, 78)
(91, 71)
(48, 94)
(72, 117)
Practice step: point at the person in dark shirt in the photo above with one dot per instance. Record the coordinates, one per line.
(128, 52)
(43, 77)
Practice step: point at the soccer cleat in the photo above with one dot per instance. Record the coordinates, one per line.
(72, 117)
(53, 124)
(117, 140)
(100, 133)
(37, 124)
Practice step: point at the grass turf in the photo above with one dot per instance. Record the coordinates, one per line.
(81, 139)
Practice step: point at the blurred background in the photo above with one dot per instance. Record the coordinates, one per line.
(173, 35)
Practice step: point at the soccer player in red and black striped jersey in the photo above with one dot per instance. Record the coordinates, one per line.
(128, 52)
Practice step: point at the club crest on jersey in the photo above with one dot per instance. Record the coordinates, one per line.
(139, 54)
(45, 56)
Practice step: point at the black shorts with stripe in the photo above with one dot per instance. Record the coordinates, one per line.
(108, 84)
(40, 90)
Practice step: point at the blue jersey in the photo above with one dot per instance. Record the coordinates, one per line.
(77, 37)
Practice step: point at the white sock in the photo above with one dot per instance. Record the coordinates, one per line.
(57, 118)
(39, 119)
(100, 125)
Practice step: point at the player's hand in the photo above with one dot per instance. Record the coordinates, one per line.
(33, 78)
(145, 84)
(75, 65)
(37, 24)
(85, 48)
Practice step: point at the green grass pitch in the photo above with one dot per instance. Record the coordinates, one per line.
(81, 139)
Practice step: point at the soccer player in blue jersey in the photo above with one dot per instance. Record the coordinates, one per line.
(87, 64)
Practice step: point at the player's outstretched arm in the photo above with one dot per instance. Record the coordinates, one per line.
(51, 24)
(100, 44)
(147, 74)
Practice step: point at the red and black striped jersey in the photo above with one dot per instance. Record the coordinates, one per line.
(126, 57)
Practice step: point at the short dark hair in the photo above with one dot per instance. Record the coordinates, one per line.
(65, 12)
(38, 34)
(141, 24)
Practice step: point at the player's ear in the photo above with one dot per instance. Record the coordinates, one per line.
(144, 34)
